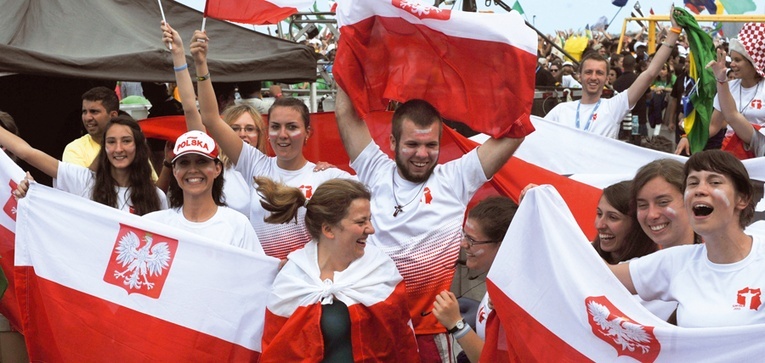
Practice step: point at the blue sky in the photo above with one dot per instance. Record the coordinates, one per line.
(551, 15)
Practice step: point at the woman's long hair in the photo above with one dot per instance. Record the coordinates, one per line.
(636, 243)
(143, 192)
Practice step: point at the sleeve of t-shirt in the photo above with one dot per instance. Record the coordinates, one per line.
(73, 155)
(652, 274)
(554, 114)
(370, 163)
(466, 175)
(251, 162)
(74, 179)
(250, 239)
(162, 199)
(757, 145)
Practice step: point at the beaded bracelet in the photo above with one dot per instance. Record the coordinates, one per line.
(180, 68)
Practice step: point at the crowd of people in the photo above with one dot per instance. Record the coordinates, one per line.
(364, 254)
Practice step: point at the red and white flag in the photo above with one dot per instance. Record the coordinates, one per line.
(104, 285)
(558, 301)
(370, 287)
(10, 176)
(475, 68)
(258, 12)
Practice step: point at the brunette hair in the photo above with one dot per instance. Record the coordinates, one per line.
(494, 215)
(422, 113)
(143, 192)
(328, 205)
(636, 242)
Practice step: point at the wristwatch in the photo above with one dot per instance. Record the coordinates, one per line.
(460, 324)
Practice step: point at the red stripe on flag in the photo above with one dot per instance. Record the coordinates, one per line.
(112, 332)
(381, 59)
(9, 305)
(527, 338)
(247, 11)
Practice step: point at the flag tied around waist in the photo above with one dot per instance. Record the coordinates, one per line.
(475, 68)
(105, 285)
(258, 12)
(558, 301)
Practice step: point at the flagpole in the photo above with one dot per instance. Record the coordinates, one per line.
(612, 19)
(204, 22)
(162, 11)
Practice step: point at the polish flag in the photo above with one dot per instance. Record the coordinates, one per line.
(476, 68)
(104, 285)
(557, 301)
(260, 12)
(370, 287)
(10, 176)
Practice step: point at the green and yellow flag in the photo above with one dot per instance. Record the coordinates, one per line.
(702, 52)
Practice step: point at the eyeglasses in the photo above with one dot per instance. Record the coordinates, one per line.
(554, 69)
(471, 242)
(248, 129)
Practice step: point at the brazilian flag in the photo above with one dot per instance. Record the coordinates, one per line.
(701, 53)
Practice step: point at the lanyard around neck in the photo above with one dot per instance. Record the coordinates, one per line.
(587, 125)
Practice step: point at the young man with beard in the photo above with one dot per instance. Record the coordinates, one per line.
(99, 105)
(418, 206)
(604, 116)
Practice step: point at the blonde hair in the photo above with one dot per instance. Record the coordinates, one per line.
(231, 114)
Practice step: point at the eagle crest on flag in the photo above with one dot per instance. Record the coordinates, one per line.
(139, 261)
(628, 337)
(422, 11)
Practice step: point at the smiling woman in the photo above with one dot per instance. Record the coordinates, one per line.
(352, 290)
(620, 237)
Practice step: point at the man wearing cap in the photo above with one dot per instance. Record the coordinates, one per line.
(196, 199)
(604, 116)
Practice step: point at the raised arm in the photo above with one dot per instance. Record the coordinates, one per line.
(641, 84)
(228, 140)
(622, 273)
(38, 159)
(730, 113)
(183, 78)
(353, 130)
(494, 153)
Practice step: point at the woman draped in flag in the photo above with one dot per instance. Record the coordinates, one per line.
(288, 131)
(717, 283)
(739, 103)
(244, 120)
(482, 235)
(196, 195)
(337, 299)
(120, 176)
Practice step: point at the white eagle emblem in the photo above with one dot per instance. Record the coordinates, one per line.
(628, 335)
(141, 261)
(418, 9)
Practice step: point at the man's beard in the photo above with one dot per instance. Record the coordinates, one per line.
(409, 176)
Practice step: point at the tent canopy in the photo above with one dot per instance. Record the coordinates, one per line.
(120, 40)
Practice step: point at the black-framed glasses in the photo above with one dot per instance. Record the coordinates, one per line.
(471, 242)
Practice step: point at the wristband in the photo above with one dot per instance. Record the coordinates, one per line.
(167, 164)
(666, 44)
(723, 81)
(203, 78)
(676, 30)
(462, 332)
(683, 136)
(180, 68)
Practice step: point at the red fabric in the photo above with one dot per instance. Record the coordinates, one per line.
(735, 146)
(54, 334)
(527, 339)
(258, 12)
(9, 305)
(380, 59)
(379, 333)
(492, 348)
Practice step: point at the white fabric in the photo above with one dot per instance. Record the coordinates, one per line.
(481, 316)
(605, 122)
(80, 180)
(210, 287)
(367, 281)
(750, 102)
(280, 239)
(706, 292)
(552, 273)
(568, 81)
(237, 191)
(757, 144)
(226, 226)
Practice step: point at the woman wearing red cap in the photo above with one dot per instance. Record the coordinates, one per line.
(196, 195)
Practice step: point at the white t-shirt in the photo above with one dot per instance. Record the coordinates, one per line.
(80, 181)
(604, 121)
(757, 144)
(708, 294)
(278, 240)
(750, 102)
(226, 226)
(237, 191)
(481, 316)
(424, 238)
